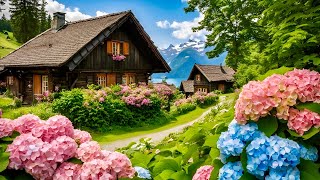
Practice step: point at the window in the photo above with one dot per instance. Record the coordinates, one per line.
(40, 83)
(102, 80)
(10, 80)
(45, 83)
(117, 47)
(198, 77)
(202, 90)
(128, 79)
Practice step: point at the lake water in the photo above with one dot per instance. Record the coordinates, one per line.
(175, 81)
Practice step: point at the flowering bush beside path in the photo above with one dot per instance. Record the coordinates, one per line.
(53, 149)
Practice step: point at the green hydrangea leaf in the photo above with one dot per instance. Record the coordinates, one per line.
(268, 125)
(4, 161)
(315, 107)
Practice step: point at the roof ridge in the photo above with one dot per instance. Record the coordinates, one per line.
(99, 17)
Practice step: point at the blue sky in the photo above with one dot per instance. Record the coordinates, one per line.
(164, 20)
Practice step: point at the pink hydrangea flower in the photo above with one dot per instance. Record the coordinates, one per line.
(82, 136)
(32, 154)
(65, 147)
(302, 121)
(54, 127)
(88, 151)
(26, 123)
(67, 171)
(96, 169)
(203, 173)
(120, 165)
(6, 127)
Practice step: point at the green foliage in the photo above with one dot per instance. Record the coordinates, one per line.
(315, 107)
(186, 107)
(231, 23)
(246, 73)
(294, 30)
(268, 125)
(79, 107)
(180, 155)
(282, 70)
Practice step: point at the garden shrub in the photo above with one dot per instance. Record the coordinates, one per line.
(31, 148)
(115, 106)
(186, 107)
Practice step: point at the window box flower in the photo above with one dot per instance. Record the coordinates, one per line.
(119, 57)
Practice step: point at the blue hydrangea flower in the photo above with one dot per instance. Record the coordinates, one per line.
(258, 161)
(283, 153)
(310, 153)
(232, 142)
(245, 133)
(229, 146)
(143, 173)
(291, 173)
(231, 170)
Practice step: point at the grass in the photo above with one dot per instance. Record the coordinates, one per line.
(126, 132)
(7, 45)
(43, 110)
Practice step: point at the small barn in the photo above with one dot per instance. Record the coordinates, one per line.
(207, 78)
(106, 50)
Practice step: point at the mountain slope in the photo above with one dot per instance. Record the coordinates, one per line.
(7, 44)
(182, 57)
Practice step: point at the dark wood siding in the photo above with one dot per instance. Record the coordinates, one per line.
(98, 60)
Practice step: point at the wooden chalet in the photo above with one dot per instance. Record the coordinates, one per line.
(207, 78)
(76, 54)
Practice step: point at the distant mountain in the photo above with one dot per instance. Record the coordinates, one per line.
(182, 57)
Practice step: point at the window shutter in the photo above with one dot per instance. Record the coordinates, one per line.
(126, 48)
(109, 47)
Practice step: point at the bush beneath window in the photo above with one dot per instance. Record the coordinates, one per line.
(116, 106)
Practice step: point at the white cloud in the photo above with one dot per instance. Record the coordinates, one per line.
(71, 14)
(163, 24)
(183, 30)
(101, 13)
(185, 0)
(5, 10)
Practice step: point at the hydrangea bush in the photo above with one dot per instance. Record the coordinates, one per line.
(53, 149)
(274, 135)
(119, 105)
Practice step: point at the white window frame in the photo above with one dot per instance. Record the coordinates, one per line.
(203, 90)
(116, 47)
(128, 79)
(102, 80)
(198, 77)
(44, 83)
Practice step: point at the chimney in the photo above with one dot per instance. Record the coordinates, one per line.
(58, 20)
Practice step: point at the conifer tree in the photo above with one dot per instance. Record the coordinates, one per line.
(43, 17)
(24, 19)
(5, 24)
(49, 19)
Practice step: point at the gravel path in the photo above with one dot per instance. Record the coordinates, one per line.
(156, 137)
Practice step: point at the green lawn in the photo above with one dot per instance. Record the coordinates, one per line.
(125, 132)
(7, 45)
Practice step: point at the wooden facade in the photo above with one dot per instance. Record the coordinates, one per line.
(95, 67)
(207, 78)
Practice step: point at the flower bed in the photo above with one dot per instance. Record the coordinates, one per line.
(53, 149)
(120, 105)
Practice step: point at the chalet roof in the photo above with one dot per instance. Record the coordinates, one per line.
(215, 72)
(71, 43)
(187, 86)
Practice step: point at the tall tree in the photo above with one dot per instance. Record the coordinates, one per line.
(43, 16)
(49, 19)
(24, 19)
(294, 29)
(5, 24)
(230, 23)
